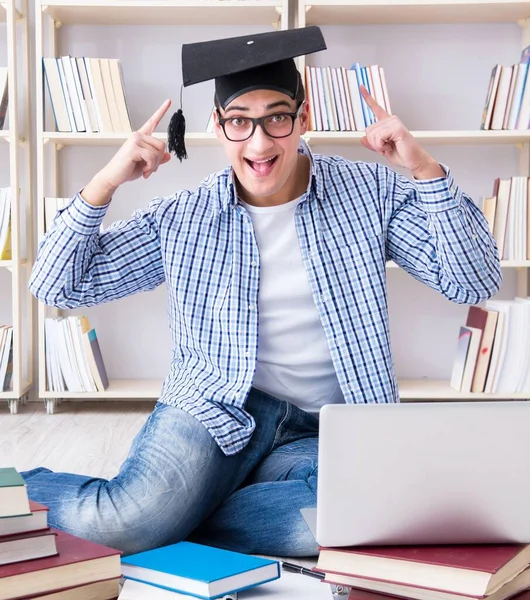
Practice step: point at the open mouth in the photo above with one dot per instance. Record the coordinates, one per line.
(262, 167)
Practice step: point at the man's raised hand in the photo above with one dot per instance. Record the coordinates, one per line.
(140, 155)
(389, 137)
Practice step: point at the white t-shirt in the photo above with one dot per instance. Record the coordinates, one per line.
(294, 361)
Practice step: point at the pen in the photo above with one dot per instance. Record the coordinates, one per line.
(302, 570)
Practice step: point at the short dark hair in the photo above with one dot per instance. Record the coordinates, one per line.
(299, 98)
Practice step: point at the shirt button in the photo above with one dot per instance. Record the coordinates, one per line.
(254, 263)
(439, 196)
(247, 354)
(251, 307)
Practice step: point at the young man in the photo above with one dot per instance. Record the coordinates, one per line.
(283, 242)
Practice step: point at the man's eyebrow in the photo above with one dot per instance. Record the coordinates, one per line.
(268, 107)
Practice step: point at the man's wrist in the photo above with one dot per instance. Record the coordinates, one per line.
(429, 170)
(98, 192)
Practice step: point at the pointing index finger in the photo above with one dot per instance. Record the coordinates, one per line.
(151, 124)
(379, 112)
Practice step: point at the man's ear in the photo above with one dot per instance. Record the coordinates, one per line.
(304, 118)
(218, 130)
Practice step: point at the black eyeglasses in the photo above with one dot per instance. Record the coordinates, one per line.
(277, 125)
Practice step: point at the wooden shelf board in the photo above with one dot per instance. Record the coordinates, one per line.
(118, 388)
(427, 137)
(116, 139)
(362, 12)
(164, 12)
(314, 138)
(8, 264)
(430, 389)
(10, 396)
(409, 389)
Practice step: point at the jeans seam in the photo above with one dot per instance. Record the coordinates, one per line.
(280, 425)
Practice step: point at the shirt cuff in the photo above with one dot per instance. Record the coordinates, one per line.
(439, 194)
(82, 217)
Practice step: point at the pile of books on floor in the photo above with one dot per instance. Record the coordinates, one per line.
(73, 357)
(463, 572)
(39, 562)
(87, 94)
(187, 569)
(493, 349)
(508, 98)
(335, 102)
(508, 217)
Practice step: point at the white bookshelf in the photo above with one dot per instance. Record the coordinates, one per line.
(380, 12)
(14, 19)
(50, 17)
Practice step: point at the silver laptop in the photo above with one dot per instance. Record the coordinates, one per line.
(424, 473)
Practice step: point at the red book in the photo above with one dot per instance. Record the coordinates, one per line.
(35, 521)
(79, 562)
(109, 589)
(472, 570)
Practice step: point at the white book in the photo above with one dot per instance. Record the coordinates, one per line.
(4, 95)
(66, 93)
(317, 109)
(87, 94)
(80, 354)
(4, 359)
(72, 92)
(356, 100)
(56, 93)
(517, 98)
(80, 94)
(326, 123)
(501, 98)
(5, 219)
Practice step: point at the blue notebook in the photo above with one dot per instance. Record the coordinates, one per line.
(201, 571)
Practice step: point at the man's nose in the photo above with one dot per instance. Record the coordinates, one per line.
(260, 141)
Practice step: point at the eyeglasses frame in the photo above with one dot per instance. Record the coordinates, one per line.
(259, 121)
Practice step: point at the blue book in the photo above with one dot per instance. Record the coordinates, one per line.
(197, 570)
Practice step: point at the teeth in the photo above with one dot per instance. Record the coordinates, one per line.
(260, 162)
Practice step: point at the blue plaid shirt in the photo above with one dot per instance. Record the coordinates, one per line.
(353, 218)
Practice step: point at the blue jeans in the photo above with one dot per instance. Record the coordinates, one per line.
(177, 484)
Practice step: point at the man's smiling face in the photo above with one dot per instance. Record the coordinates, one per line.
(264, 166)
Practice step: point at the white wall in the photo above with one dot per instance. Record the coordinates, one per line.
(437, 77)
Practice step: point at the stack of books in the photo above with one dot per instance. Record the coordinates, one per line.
(187, 569)
(335, 102)
(73, 357)
(87, 94)
(493, 349)
(508, 97)
(464, 572)
(508, 217)
(39, 562)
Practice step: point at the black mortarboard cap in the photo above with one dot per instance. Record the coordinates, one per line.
(242, 64)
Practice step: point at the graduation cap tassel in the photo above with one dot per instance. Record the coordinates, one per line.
(175, 135)
(176, 132)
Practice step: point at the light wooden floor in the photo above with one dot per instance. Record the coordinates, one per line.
(91, 438)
